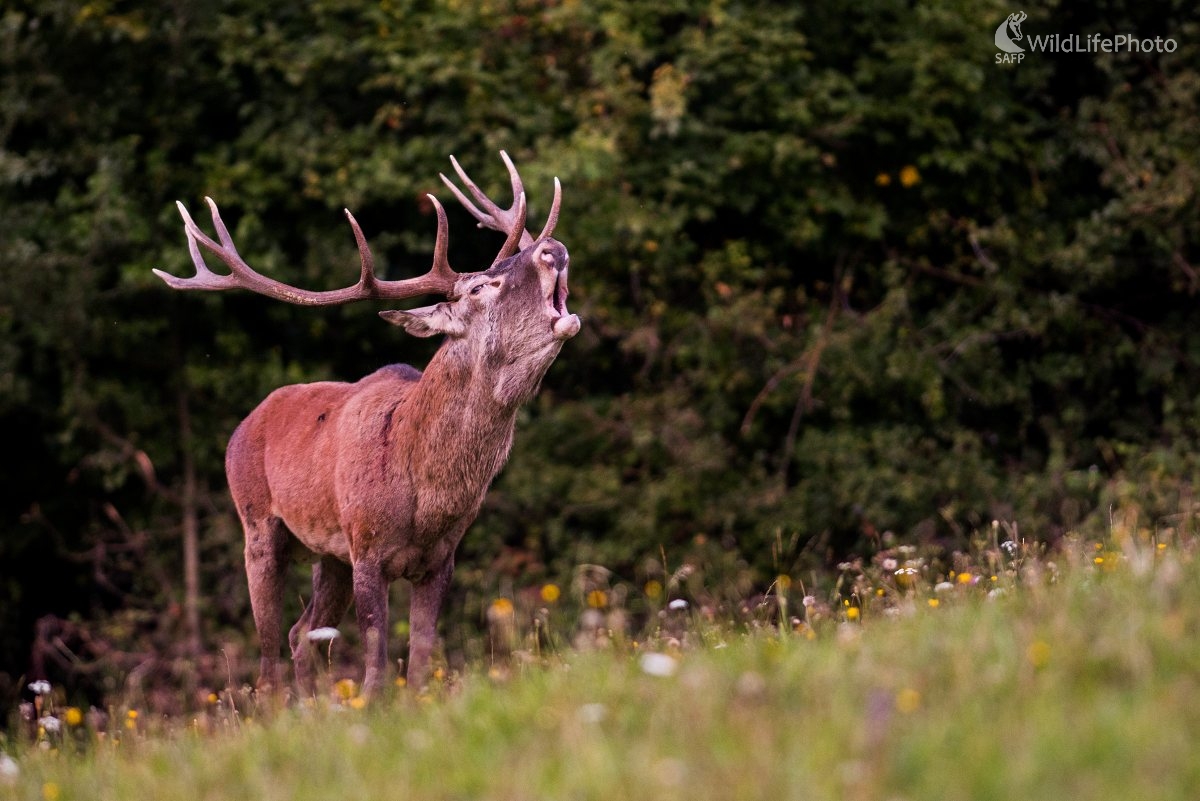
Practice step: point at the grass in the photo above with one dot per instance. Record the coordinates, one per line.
(1018, 675)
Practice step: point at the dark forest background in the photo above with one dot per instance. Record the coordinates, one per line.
(845, 282)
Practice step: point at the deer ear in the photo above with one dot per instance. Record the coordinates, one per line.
(427, 321)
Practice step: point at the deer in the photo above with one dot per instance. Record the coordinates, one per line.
(379, 479)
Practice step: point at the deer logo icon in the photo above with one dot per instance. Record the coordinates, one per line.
(1009, 31)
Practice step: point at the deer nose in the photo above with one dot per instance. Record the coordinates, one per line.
(553, 253)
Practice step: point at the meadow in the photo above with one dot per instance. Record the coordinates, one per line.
(1009, 671)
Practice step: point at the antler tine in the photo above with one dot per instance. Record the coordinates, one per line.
(490, 215)
(515, 235)
(366, 278)
(552, 219)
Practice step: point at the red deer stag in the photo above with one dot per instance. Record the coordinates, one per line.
(379, 479)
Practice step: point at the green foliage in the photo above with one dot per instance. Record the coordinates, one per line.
(841, 275)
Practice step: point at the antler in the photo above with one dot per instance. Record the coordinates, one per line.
(439, 280)
(510, 221)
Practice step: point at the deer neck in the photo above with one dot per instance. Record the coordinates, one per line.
(461, 433)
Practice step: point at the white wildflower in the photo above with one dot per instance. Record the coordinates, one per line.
(51, 724)
(678, 604)
(592, 713)
(40, 687)
(9, 770)
(323, 634)
(943, 586)
(659, 664)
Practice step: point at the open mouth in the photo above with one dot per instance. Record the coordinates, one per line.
(556, 302)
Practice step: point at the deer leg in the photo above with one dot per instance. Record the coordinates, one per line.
(332, 590)
(266, 562)
(427, 596)
(370, 605)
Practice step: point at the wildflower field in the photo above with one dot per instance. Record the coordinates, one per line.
(1010, 672)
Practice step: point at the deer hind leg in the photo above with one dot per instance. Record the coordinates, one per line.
(266, 567)
(332, 591)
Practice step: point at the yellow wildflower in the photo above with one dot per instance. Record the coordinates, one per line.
(653, 589)
(500, 609)
(73, 716)
(852, 613)
(550, 593)
(1038, 653)
(883, 179)
(597, 599)
(908, 700)
(346, 689)
(909, 176)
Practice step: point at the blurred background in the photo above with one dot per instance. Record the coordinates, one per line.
(846, 283)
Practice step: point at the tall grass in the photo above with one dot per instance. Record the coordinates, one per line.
(1004, 673)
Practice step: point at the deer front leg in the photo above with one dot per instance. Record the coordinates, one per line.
(370, 603)
(427, 596)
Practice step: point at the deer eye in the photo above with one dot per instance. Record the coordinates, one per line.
(475, 289)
